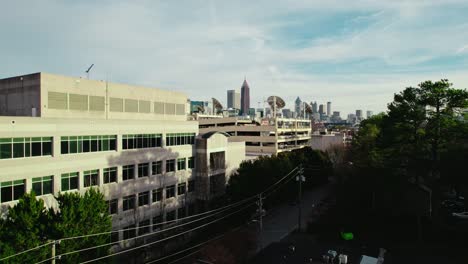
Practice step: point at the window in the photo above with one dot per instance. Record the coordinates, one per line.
(83, 144)
(42, 185)
(69, 181)
(110, 175)
(157, 195)
(90, 178)
(129, 232)
(156, 167)
(143, 170)
(144, 227)
(217, 160)
(170, 165)
(181, 164)
(170, 191)
(112, 205)
(177, 139)
(181, 188)
(128, 202)
(143, 198)
(181, 212)
(157, 220)
(12, 190)
(191, 163)
(11, 148)
(128, 172)
(171, 216)
(141, 141)
(191, 186)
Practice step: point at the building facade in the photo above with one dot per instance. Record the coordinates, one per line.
(262, 136)
(233, 99)
(245, 98)
(65, 134)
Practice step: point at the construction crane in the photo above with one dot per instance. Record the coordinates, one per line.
(87, 71)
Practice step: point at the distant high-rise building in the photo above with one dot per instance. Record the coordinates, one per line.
(329, 113)
(245, 98)
(336, 114)
(321, 110)
(233, 99)
(298, 106)
(314, 107)
(359, 113)
(287, 113)
(369, 114)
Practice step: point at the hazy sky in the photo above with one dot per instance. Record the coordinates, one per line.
(356, 54)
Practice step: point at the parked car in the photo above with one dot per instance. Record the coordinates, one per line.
(462, 215)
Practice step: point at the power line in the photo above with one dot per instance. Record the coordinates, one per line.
(26, 251)
(192, 247)
(162, 223)
(144, 235)
(167, 238)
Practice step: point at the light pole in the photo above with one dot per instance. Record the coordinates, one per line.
(300, 178)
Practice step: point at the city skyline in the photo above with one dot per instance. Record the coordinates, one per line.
(360, 53)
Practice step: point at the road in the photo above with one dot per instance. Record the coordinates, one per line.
(280, 222)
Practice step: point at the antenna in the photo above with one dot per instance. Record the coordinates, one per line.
(87, 71)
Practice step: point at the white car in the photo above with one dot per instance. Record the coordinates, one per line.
(462, 215)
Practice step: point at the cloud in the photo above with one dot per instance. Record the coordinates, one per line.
(355, 54)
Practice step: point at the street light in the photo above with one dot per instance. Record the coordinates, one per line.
(300, 178)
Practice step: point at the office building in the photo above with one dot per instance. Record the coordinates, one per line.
(314, 107)
(65, 134)
(329, 113)
(287, 113)
(245, 98)
(369, 114)
(298, 107)
(359, 114)
(321, 110)
(233, 99)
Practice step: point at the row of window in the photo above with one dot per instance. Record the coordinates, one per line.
(176, 139)
(156, 222)
(141, 141)
(130, 202)
(12, 190)
(83, 144)
(11, 148)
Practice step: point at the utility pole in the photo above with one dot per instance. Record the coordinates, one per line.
(54, 244)
(300, 178)
(260, 211)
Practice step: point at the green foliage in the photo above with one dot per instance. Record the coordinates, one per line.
(255, 176)
(26, 226)
(29, 224)
(81, 215)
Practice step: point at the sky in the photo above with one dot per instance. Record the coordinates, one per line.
(356, 54)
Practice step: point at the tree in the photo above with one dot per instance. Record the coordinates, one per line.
(26, 226)
(29, 224)
(82, 215)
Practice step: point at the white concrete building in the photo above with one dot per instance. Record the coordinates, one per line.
(325, 141)
(60, 134)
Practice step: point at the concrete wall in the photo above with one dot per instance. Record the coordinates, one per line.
(20, 95)
(323, 142)
(30, 167)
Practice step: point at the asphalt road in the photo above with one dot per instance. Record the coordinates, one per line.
(281, 221)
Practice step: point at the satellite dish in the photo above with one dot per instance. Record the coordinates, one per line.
(308, 109)
(200, 109)
(217, 105)
(279, 101)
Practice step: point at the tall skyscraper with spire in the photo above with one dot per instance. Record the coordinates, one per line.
(245, 98)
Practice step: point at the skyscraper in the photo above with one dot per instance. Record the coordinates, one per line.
(359, 113)
(369, 114)
(329, 113)
(321, 110)
(298, 107)
(314, 107)
(233, 99)
(245, 98)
